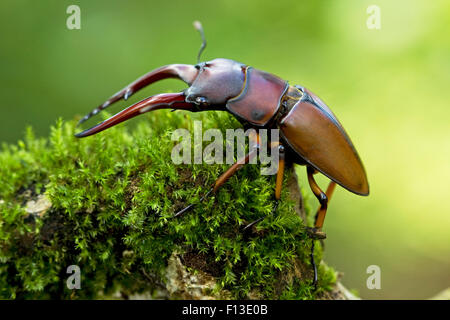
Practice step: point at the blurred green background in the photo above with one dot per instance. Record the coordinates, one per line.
(389, 87)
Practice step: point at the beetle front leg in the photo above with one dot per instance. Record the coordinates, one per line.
(254, 145)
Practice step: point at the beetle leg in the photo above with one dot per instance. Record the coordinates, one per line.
(316, 231)
(189, 207)
(254, 145)
(232, 170)
(313, 263)
(320, 215)
(278, 184)
(184, 72)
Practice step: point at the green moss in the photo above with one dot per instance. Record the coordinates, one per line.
(113, 196)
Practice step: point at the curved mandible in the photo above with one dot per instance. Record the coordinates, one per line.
(184, 72)
(159, 101)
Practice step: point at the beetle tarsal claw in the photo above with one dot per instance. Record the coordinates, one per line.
(315, 233)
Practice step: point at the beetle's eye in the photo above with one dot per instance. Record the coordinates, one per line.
(201, 100)
(201, 66)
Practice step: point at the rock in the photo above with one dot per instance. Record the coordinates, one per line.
(39, 206)
(196, 285)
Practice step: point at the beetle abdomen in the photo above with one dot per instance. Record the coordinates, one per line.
(314, 132)
(260, 97)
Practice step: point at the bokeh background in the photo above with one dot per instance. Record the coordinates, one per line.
(389, 87)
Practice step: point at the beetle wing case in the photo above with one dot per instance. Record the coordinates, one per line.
(314, 132)
(260, 98)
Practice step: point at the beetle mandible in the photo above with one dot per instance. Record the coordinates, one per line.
(311, 135)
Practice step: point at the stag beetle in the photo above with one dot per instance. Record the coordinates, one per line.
(310, 133)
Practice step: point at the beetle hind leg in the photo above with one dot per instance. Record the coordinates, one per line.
(316, 231)
(323, 197)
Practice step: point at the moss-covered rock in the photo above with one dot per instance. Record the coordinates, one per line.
(106, 204)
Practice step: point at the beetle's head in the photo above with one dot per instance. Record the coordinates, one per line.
(217, 81)
(211, 85)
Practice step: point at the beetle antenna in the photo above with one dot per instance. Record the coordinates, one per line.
(198, 26)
